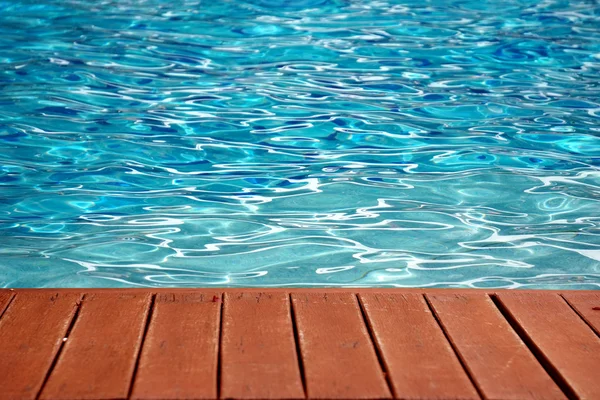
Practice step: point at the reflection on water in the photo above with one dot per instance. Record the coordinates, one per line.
(300, 142)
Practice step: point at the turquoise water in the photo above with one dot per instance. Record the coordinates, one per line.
(300, 142)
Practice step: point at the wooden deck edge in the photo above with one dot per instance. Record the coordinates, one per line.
(108, 343)
(356, 290)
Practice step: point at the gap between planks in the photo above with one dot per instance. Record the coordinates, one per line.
(535, 350)
(461, 360)
(378, 353)
(62, 345)
(297, 344)
(219, 349)
(144, 335)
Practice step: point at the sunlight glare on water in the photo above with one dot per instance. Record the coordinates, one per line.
(300, 143)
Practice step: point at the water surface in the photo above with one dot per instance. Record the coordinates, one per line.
(300, 142)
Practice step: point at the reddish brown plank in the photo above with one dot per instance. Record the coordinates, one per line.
(499, 362)
(98, 359)
(5, 298)
(179, 358)
(258, 350)
(338, 357)
(587, 306)
(563, 338)
(31, 333)
(420, 362)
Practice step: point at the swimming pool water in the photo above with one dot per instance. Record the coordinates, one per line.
(300, 142)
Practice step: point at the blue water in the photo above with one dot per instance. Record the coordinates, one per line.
(300, 142)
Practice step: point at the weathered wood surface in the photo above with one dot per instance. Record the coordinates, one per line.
(419, 361)
(500, 363)
(179, 359)
(587, 305)
(566, 343)
(298, 343)
(31, 334)
(339, 359)
(99, 357)
(5, 299)
(258, 350)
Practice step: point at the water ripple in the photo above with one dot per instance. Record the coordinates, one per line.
(300, 143)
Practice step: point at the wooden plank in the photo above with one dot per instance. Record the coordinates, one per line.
(5, 298)
(258, 349)
(31, 334)
(498, 361)
(561, 336)
(180, 354)
(587, 306)
(420, 362)
(339, 359)
(98, 359)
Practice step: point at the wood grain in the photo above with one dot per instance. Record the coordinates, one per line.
(31, 333)
(420, 362)
(499, 362)
(258, 350)
(98, 359)
(339, 359)
(587, 306)
(180, 354)
(562, 337)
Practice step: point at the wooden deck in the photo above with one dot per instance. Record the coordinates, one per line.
(298, 344)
